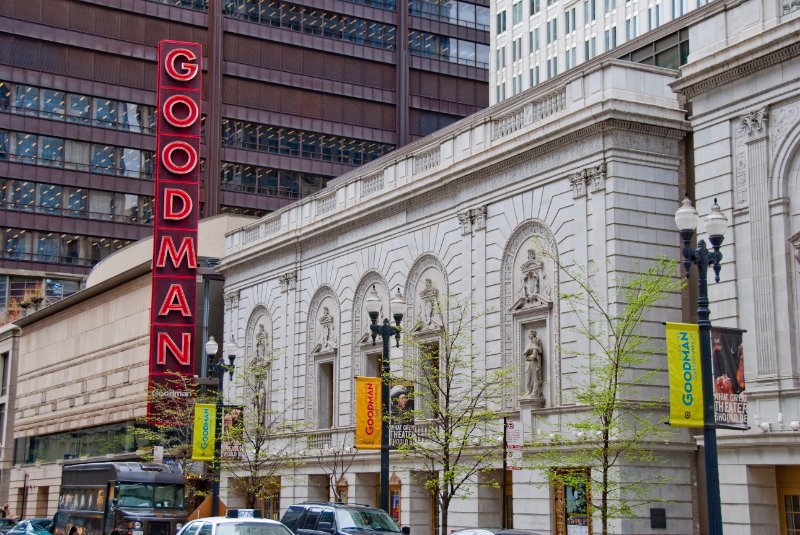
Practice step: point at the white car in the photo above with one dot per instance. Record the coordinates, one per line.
(237, 522)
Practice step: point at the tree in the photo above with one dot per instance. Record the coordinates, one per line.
(620, 422)
(459, 400)
(257, 445)
(335, 461)
(175, 439)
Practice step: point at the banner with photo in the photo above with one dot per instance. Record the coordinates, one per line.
(401, 415)
(727, 367)
(685, 375)
(232, 422)
(368, 413)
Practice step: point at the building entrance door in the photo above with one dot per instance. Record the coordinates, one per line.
(788, 483)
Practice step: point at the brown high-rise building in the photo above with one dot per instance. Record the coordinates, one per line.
(295, 93)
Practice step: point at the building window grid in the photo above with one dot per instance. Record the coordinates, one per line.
(571, 57)
(610, 6)
(24, 147)
(631, 28)
(589, 11)
(451, 11)
(314, 21)
(68, 201)
(441, 47)
(300, 143)
(534, 40)
(55, 248)
(76, 108)
(610, 38)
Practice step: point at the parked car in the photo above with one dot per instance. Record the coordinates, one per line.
(325, 518)
(6, 524)
(32, 526)
(236, 522)
(495, 531)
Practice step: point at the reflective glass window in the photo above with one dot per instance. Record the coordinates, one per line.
(47, 248)
(130, 117)
(51, 151)
(25, 147)
(70, 249)
(75, 202)
(21, 195)
(78, 109)
(103, 159)
(105, 112)
(16, 245)
(26, 99)
(101, 204)
(3, 145)
(131, 162)
(53, 106)
(5, 96)
(49, 198)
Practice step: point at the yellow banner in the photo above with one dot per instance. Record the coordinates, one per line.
(685, 376)
(368, 413)
(205, 415)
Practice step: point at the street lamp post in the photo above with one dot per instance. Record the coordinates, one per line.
(220, 367)
(686, 219)
(386, 330)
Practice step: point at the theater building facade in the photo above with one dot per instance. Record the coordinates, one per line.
(584, 169)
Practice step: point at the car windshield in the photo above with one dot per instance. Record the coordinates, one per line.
(252, 528)
(369, 519)
(150, 495)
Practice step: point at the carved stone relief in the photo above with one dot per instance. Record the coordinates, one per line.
(427, 282)
(288, 281)
(322, 337)
(592, 179)
(795, 241)
(529, 284)
(472, 220)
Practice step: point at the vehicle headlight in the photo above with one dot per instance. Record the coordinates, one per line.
(137, 525)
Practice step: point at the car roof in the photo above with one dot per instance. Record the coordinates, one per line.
(226, 520)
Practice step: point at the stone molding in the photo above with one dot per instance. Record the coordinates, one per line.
(321, 294)
(715, 81)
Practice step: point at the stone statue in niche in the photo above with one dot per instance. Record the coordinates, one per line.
(429, 296)
(261, 342)
(326, 341)
(534, 360)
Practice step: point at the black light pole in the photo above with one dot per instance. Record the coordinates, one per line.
(686, 219)
(386, 331)
(220, 367)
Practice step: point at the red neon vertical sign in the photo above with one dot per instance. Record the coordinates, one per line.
(172, 312)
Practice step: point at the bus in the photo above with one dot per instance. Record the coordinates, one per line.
(120, 498)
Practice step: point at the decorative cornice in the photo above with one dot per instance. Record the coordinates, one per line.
(455, 182)
(738, 72)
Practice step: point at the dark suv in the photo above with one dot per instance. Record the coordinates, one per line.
(323, 518)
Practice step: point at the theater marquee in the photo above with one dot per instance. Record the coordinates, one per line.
(172, 315)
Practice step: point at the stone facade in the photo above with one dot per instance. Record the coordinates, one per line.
(585, 169)
(742, 83)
